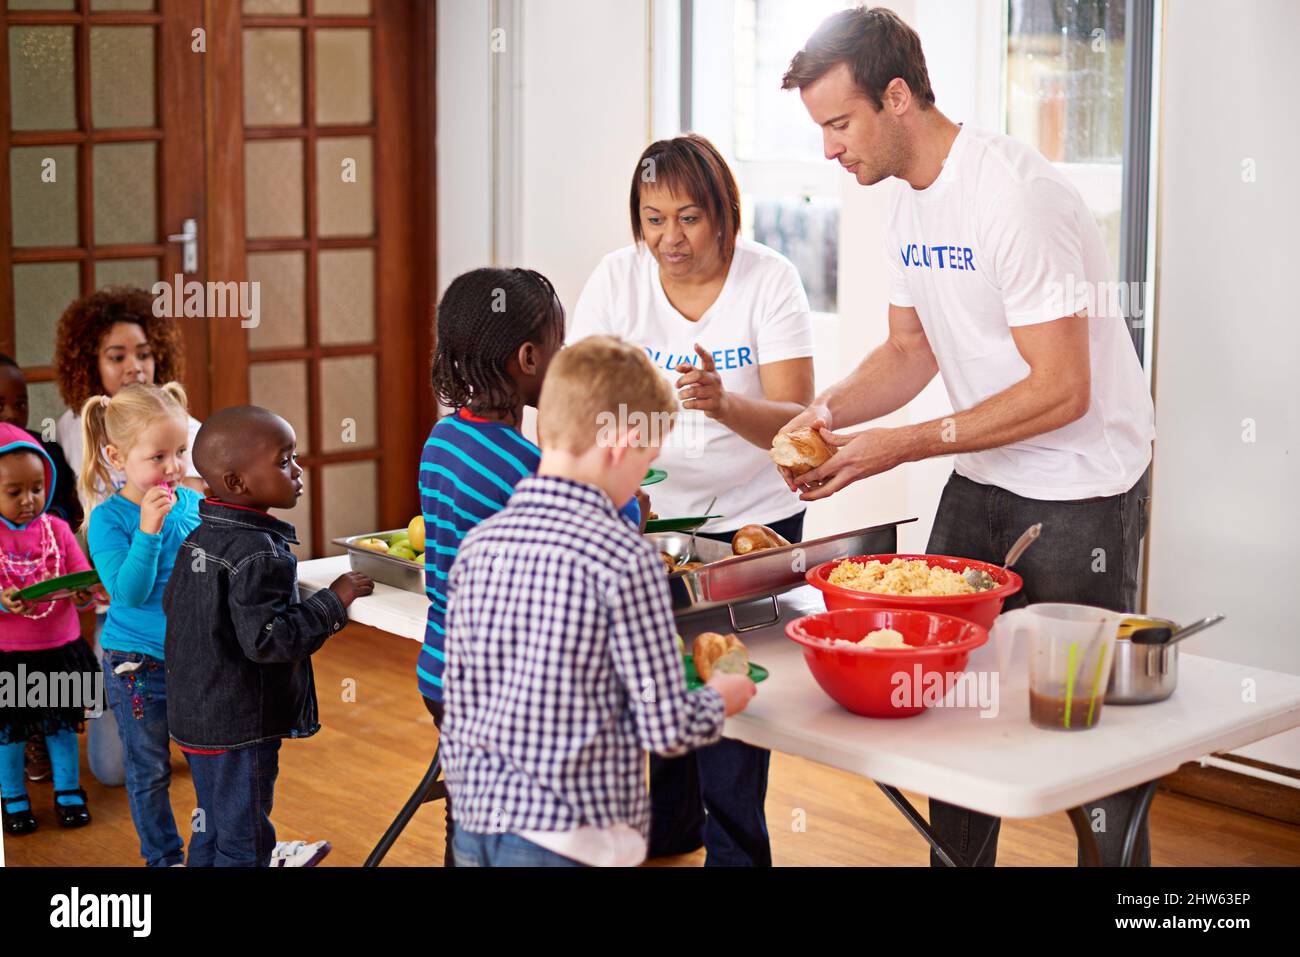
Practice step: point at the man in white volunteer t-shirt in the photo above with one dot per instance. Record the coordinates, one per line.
(995, 268)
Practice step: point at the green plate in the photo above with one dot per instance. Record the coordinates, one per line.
(757, 673)
(55, 589)
(677, 524)
(653, 477)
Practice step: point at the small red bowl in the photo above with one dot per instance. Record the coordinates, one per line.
(980, 607)
(885, 682)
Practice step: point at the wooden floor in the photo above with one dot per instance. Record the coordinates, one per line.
(347, 783)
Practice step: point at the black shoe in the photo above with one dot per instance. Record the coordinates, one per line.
(17, 822)
(72, 815)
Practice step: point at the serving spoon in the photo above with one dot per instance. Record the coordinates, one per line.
(981, 580)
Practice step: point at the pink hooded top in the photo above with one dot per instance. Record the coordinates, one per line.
(42, 549)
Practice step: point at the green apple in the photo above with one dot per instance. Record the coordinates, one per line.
(373, 544)
(402, 550)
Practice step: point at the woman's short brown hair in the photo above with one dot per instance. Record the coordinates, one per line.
(691, 166)
(876, 45)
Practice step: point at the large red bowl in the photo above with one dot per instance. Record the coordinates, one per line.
(980, 607)
(885, 682)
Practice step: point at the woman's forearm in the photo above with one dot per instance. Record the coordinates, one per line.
(757, 420)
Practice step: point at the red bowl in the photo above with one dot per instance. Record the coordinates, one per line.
(866, 680)
(980, 607)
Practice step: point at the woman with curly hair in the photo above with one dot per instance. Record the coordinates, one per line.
(104, 341)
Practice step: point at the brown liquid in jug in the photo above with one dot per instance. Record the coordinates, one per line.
(1048, 711)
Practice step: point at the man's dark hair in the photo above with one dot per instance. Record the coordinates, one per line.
(876, 45)
(484, 317)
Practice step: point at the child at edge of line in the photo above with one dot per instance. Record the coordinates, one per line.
(239, 642)
(562, 664)
(497, 332)
(133, 535)
(38, 638)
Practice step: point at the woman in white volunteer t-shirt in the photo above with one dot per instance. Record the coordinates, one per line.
(725, 319)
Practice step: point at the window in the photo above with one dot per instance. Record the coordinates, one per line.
(1065, 96)
(732, 56)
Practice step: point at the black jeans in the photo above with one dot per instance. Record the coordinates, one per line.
(1088, 555)
(716, 795)
(435, 709)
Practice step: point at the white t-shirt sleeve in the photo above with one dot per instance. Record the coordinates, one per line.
(592, 314)
(1036, 242)
(899, 294)
(195, 424)
(785, 329)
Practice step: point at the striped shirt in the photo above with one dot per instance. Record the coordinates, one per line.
(468, 470)
(562, 668)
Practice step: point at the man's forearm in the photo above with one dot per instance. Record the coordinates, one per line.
(1028, 408)
(886, 380)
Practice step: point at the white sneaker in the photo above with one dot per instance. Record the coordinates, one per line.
(299, 853)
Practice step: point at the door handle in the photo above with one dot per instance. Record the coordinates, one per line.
(188, 237)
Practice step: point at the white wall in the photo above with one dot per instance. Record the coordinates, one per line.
(573, 117)
(1225, 510)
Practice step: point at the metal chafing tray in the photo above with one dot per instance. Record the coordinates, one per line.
(727, 580)
(397, 572)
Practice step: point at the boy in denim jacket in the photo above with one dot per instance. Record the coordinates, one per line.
(239, 643)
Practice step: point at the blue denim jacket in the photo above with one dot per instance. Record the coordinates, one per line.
(239, 643)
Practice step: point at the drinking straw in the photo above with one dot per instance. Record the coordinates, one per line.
(1069, 681)
(1096, 682)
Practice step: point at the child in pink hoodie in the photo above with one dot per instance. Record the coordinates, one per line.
(48, 675)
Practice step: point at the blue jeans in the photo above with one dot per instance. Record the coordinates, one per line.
(504, 850)
(103, 743)
(982, 522)
(232, 825)
(138, 700)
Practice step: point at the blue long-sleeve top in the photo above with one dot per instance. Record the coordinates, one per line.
(468, 470)
(134, 567)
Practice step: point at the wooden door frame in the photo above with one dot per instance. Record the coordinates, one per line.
(403, 71)
(178, 76)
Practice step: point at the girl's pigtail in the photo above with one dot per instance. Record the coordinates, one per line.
(94, 475)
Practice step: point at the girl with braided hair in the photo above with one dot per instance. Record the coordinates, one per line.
(497, 331)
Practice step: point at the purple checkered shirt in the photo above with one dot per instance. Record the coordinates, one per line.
(562, 668)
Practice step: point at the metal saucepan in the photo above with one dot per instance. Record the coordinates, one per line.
(1142, 674)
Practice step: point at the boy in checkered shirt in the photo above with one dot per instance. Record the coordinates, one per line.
(562, 667)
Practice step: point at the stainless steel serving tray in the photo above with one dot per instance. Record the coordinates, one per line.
(735, 580)
(397, 572)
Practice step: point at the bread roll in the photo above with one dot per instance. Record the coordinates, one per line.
(754, 538)
(723, 653)
(799, 450)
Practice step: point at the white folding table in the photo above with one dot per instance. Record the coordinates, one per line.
(999, 765)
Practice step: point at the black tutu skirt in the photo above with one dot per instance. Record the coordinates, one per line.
(69, 686)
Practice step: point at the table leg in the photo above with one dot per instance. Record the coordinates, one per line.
(1135, 822)
(1088, 847)
(946, 856)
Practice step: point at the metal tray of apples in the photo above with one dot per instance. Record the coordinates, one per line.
(395, 570)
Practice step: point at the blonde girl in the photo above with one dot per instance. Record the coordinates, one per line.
(134, 535)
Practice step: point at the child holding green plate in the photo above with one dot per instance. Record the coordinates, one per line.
(39, 639)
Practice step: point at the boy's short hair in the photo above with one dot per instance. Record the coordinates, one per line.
(598, 385)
